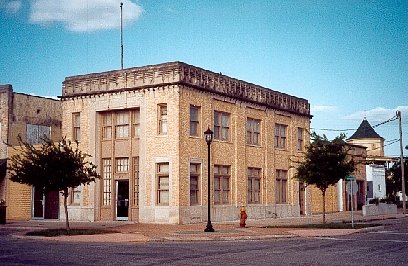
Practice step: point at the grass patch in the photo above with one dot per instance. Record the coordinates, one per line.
(325, 226)
(71, 232)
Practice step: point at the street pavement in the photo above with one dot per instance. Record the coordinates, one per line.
(226, 231)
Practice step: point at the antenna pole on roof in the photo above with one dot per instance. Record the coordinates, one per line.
(121, 36)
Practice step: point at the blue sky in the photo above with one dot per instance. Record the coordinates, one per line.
(348, 58)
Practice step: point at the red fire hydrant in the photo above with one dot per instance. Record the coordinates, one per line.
(242, 218)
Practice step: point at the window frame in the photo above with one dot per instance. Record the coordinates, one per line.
(76, 126)
(253, 134)
(281, 186)
(107, 125)
(281, 136)
(254, 191)
(135, 116)
(222, 194)
(220, 128)
(107, 181)
(162, 119)
(300, 139)
(159, 189)
(122, 121)
(35, 133)
(195, 122)
(136, 170)
(122, 164)
(195, 191)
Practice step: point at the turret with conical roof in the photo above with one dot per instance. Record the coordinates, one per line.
(367, 137)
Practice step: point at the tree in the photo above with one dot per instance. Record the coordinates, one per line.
(52, 167)
(325, 163)
(394, 180)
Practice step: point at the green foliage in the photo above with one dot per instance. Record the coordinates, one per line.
(52, 166)
(394, 180)
(325, 162)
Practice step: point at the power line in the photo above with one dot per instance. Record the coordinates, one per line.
(354, 129)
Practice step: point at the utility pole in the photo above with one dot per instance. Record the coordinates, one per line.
(402, 164)
(121, 36)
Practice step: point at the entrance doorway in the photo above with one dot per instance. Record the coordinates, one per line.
(45, 205)
(122, 200)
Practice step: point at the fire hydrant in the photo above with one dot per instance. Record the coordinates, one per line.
(243, 217)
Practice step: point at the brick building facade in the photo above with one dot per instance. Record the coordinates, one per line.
(32, 118)
(144, 129)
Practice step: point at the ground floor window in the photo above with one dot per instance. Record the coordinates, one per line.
(222, 187)
(162, 176)
(254, 185)
(281, 185)
(107, 181)
(136, 181)
(195, 169)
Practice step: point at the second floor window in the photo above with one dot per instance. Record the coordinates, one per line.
(300, 139)
(37, 133)
(136, 123)
(76, 122)
(194, 120)
(162, 119)
(280, 136)
(122, 124)
(122, 165)
(253, 128)
(221, 125)
(106, 126)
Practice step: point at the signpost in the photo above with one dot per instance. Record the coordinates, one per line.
(351, 188)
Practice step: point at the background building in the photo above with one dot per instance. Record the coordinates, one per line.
(376, 162)
(32, 118)
(144, 129)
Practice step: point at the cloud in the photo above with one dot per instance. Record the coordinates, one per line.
(11, 7)
(378, 114)
(323, 109)
(84, 16)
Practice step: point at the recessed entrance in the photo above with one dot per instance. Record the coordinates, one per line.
(122, 200)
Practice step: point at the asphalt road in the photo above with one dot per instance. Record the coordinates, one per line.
(385, 247)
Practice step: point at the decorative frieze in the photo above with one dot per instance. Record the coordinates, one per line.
(183, 74)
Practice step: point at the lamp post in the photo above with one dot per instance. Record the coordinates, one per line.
(208, 138)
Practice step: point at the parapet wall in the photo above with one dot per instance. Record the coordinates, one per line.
(178, 73)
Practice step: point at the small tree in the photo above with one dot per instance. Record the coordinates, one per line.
(394, 179)
(52, 167)
(325, 163)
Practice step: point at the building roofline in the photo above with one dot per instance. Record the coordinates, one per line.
(180, 73)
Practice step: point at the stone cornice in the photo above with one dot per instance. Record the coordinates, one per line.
(179, 73)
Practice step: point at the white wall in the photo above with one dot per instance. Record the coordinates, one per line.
(376, 174)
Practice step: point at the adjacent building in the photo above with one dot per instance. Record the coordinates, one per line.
(144, 127)
(376, 163)
(32, 118)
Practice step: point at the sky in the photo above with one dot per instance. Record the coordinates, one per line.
(348, 58)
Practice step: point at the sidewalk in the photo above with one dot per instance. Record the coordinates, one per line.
(228, 231)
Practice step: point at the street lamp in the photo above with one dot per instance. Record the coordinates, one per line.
(208, 138)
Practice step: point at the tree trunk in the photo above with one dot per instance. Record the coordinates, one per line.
(324, 205)
(66, 209)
